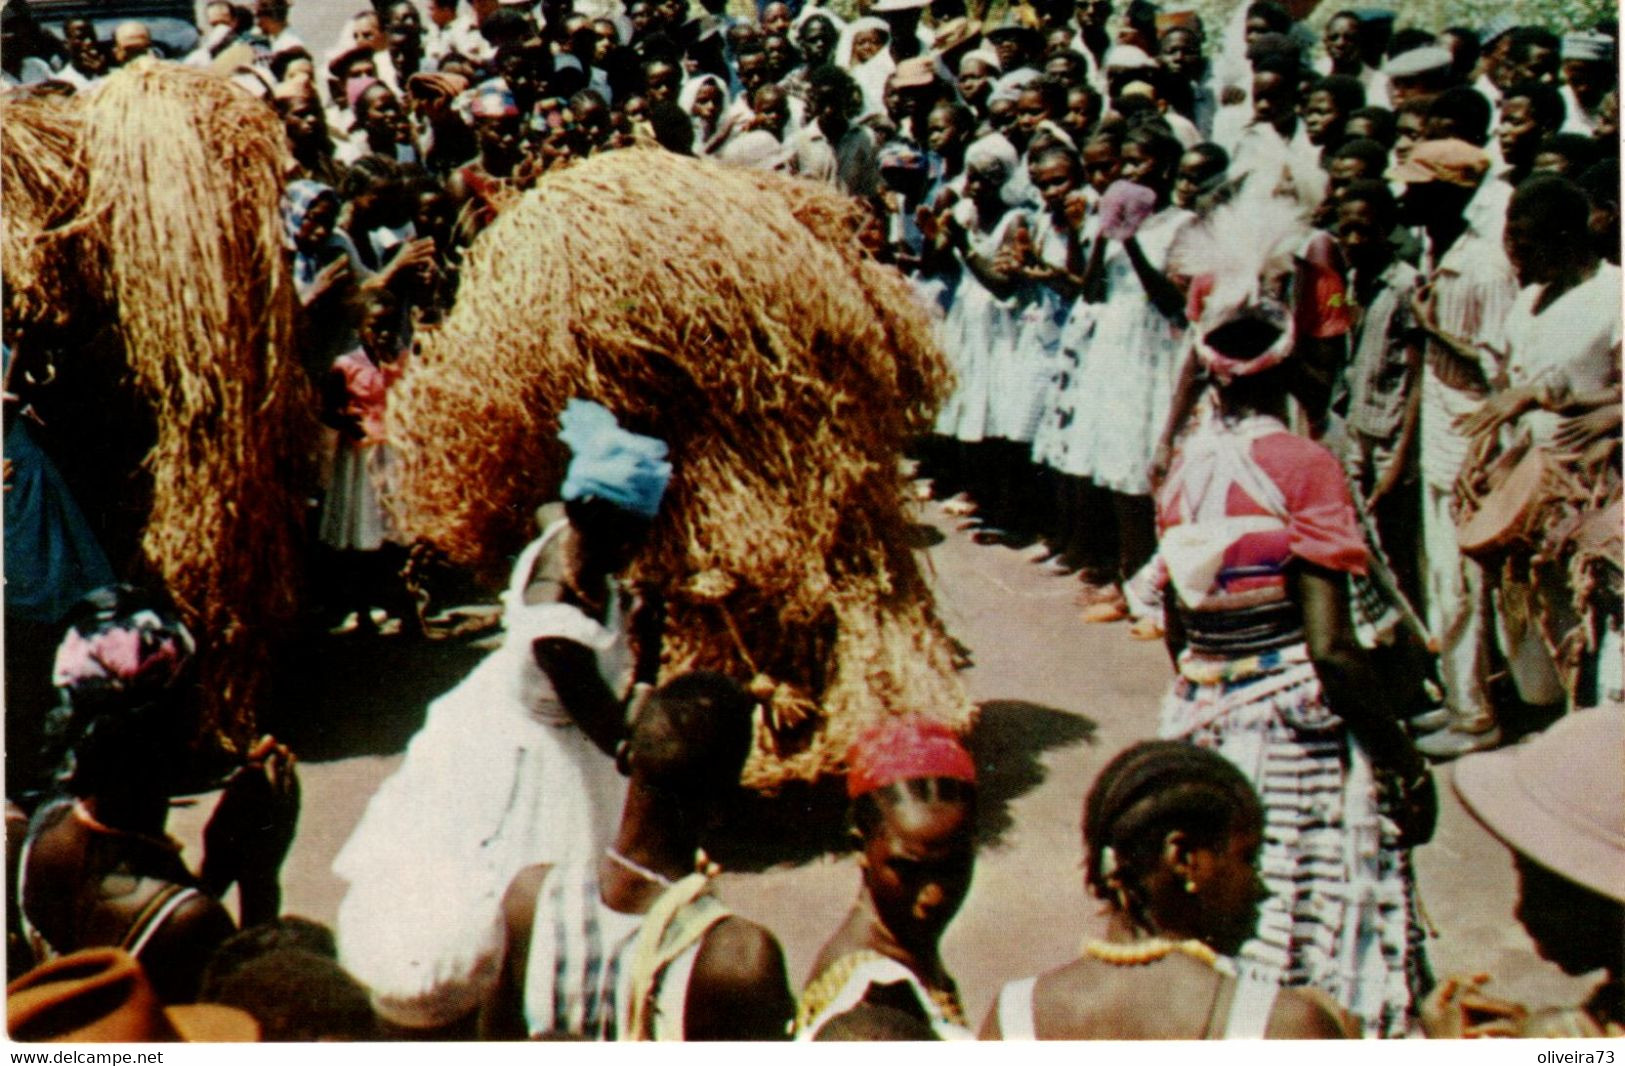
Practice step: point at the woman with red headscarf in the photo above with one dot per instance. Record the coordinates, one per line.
(913, 792)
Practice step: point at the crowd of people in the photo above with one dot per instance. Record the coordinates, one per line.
(1297, 351)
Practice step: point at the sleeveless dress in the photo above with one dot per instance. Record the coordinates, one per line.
(1248, 1018)
(1030, 388)
(353, 518)
(846, 981)
(1241, 501)
(499, 778)
(979, 334)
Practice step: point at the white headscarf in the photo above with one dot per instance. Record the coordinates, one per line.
(843, 50)
(982, 55)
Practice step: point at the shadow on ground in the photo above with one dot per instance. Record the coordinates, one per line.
(1009, 738)
(350, 695)
(804, 822)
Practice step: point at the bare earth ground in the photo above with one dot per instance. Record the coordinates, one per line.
(1058, 699)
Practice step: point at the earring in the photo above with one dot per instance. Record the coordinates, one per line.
(1190, 886)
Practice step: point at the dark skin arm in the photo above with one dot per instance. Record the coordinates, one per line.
(1162, 292)
(997, 282)
(1094, 274)
(1356, 692)
(1319, 360)
(1407, 429)
(740, 989)
(1173, 625)
(181, 947)
(1301, 1014)
(1186, 392)
(251, 830)
(573, 670)
(335, 396)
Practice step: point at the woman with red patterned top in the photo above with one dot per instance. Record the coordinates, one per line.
(1258, 539)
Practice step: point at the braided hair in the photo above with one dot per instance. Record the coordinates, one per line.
(1148, 790)
(869, 810)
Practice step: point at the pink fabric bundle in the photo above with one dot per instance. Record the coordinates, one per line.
(1123, 207)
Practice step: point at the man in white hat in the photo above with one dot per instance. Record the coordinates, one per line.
(1419, 72)
(1588, 74)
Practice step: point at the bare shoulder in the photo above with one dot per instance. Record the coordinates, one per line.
(739, 949)
(1308, 1014)
(740, 989)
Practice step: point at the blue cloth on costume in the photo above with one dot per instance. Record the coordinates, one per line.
(52, 558)
(626, 469)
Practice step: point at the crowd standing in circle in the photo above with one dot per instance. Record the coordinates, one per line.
(1300, 355)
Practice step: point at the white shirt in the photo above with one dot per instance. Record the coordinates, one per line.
(1576, 119)
(853, 165)
(1570, 346)
(1374, 80)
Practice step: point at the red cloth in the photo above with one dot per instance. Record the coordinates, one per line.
(905, 748)
(1321, 309)
(1321, 528)
(367, 385)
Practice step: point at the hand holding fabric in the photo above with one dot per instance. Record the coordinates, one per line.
(1124, 207)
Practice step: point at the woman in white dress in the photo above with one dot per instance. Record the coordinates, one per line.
(500, 776)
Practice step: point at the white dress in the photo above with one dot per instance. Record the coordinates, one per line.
(497, 779)
(979, 335)
(1127, 358)
(1029, 386)
(1049, 445)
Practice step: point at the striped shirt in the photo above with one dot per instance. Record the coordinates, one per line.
(1473, 288)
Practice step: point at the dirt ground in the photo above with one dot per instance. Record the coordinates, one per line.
(1058, 698)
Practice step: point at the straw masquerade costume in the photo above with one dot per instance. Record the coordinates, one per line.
(733, 315)
(499, 777)
(1243, 500)
(193, 271)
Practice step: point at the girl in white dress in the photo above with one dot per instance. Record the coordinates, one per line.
(1128, 337)
(981, 329)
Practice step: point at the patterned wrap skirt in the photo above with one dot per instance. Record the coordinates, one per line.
(1341, 914)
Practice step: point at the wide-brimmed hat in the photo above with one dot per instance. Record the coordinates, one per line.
(915, 73)
(1450, 160)
(954, 34)
(102, 996)
(1560, 798)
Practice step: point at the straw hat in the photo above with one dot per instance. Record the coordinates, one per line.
(102, 996)
(1559, 799)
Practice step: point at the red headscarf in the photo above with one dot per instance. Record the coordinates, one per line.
(905, 748)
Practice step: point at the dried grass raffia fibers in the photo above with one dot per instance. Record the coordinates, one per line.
(183, 191)
(731, 314)
(42, 188)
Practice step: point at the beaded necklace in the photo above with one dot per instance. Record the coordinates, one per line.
(1143, 952)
